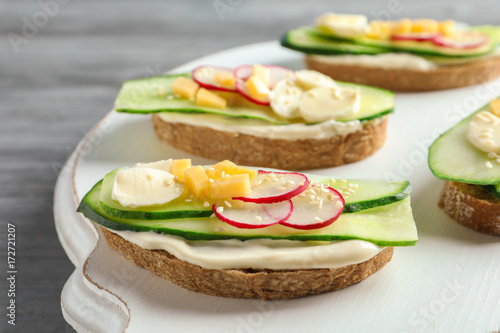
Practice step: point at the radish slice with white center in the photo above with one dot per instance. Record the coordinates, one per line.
(271, 187)
(463, 40)
(415, 36)
(316, 208)
(249, 215)
(205, 77)
(242, 88)
(276, 73)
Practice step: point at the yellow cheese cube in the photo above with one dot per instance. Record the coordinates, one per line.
(179, 167)
(229, 187)
(226, 167)
(225, 79)
(447, 28)
(262, 73)
(379, 30)
(257, 87)
(495, 107)
(205, 97)
(196, 181)
(425, 25)
(402, 26)
(185, 88)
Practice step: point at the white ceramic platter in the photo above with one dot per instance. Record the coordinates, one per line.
(449, 282)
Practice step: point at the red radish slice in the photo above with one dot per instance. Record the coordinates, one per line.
(463, 40)
(271, 187)
(415, 36)
(242, 88)
(204, 76)
(277, 73)
(315, 212)
(249, 215)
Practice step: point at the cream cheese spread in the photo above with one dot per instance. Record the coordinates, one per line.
(256, 253)
(400, 60)
(326, 129)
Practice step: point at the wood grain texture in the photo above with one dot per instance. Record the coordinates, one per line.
(65, 76)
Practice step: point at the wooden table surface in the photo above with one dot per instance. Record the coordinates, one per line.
(61, 65)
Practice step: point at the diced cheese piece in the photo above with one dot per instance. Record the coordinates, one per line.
(424, 25)
(229, 187)
(205, 97)
(379, 30)
(217, 171)
(484, 132)
(495, 107)
(257, 87)
(225, 79)
(403, 26)
(196, 181)
(185, 88)
(262, 73)
(447, 28)
(179, 167)
(139, 187)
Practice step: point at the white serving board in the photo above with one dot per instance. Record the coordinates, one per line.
(448, 282)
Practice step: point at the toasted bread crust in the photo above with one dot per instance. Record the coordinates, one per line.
(299, 154)
(471, 206)
(246, 283)
(444, 77)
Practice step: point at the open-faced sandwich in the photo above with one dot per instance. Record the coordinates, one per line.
(467, 157)
(235, 231)
(266, 116)
(404, 55)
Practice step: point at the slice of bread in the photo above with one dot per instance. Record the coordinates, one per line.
(471, 206)
(444, 77)
(246, 283)
(250, 150)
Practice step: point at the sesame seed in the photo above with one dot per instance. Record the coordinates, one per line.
(332, 180)
(169, 182)
(258, 182)
(344, 188)
(351, 191)
(220, 209)
(486, 135)
(228, 203)
(492, 155)
(211, 169)
(211, 180)
(320, 205)
(291, 182)
(189, 200)
(312, 197)
(330, 197)
(489, 165)
(340, 191)
(339, 204)
(314, 202)
(312, 93)
(223, 173)
(150, 176)
(302, 195)
(258, 218)
(318, 219)
(274, 180)
(343, 180)
(282, 188)
(206, 204)
(212, 216)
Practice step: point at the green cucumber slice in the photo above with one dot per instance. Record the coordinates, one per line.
(390, 225)
(493, 189)
(141, 96)
(312, 41)
(368, 194)
(453, 157)
(306, 41)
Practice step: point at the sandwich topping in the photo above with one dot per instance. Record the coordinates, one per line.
(305, 95)
(484, 132)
